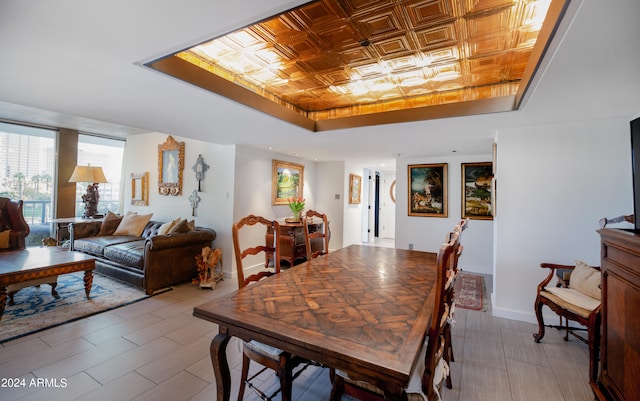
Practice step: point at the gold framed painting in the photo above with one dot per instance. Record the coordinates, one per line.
(170, 167)
(355, 187)
(427, 190)
(287, 181)
(477, 191)
(140, 189)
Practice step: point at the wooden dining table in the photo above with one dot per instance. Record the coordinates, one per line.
(362, 309)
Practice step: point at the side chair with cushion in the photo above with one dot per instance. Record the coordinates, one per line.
(578, 302)
(272, 358)
(450, 296)
(311, 237)
(431, 369)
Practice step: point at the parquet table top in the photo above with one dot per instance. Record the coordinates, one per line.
(361, 309)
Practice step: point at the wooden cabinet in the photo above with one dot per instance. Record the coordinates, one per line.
(292, 242)
(619, 377)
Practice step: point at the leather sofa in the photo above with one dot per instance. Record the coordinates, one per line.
(150, 261)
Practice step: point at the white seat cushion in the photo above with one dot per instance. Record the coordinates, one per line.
(573, 297)
(272, 352)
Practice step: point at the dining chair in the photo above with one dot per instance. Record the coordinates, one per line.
(431, 368)
(450, 290)
(322, 233)
(281, 362)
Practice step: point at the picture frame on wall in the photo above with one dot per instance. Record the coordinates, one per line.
(355, 187)
(170, 167)
(477, 191)
(287, 181)
(428, 190)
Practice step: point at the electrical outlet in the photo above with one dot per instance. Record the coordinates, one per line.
(410, 247)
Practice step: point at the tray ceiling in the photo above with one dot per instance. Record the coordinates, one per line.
(344, 63)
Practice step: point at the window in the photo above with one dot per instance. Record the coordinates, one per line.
(27, 160)
(106, 153)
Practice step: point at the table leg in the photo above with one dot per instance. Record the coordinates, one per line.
(3, 299)
(221, 366)
(88, 282)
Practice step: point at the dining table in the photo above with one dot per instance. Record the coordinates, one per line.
(362, 309)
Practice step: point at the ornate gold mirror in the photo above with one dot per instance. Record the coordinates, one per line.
(170, 167)
(140, 189)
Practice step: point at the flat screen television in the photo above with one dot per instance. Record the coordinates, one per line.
(635, 163)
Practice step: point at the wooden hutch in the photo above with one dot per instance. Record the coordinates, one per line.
(292, 242)
(619, 377)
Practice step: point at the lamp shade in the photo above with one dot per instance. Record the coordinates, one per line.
(88, 174)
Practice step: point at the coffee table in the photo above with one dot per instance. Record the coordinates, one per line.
(37, 263)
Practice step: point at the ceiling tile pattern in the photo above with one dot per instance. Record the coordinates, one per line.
(334, 58)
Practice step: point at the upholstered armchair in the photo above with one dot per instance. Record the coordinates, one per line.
(13, 227)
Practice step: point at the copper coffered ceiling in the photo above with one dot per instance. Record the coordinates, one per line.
(344, 63)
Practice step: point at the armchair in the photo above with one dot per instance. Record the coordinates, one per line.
(11, 219)
(578, 302)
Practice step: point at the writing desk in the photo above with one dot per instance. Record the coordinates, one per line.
(361, 309)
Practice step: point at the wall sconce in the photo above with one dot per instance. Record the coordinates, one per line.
(93, 176)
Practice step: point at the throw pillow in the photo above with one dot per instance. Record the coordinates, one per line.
(166, 227)
(586, 280)
(109, 224)
(133, 224)
(4, 239)
(181, 227)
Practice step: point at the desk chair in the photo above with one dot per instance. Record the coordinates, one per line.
(431, 368)
(281, 362)
(322, 233)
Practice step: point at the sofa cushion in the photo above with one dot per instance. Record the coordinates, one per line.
(128, 253)
(164, 229)
(181, 227)
(96, 245)
(109, 223)
(133, 224)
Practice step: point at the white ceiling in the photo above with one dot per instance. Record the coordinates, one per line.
(77, 64)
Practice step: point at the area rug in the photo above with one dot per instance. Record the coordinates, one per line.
(469, 290)
(36, 309)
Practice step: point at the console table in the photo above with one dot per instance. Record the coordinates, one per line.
(620, 345)
(292, 247)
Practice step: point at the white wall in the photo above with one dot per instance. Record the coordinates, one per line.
(215, 209)
(428, 233)
(553, 185)
(329, 195)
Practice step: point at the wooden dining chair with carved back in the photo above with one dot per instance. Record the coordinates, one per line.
(431, 368)
(272, 358)
(312, 237)
(450, 295)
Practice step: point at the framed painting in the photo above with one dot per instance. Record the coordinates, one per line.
(355, 186)
(287, 181)
(428, 190)
(477, 191)
(140, 189)
(170, 167)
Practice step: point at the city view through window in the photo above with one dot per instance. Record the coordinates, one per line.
(27, 173)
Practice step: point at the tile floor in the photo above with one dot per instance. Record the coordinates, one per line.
(156, 350)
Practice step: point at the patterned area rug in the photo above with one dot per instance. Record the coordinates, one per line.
(469, 290)
(36, 309)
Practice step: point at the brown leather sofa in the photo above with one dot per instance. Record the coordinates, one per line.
(150, 261)
(11, 218)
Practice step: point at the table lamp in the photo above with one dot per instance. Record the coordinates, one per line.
(93, 176)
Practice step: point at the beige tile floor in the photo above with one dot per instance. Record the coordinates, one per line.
(156, 350)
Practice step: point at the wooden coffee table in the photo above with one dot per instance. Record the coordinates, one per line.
(36, 263)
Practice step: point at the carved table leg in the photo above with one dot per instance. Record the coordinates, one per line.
(88, 282)
(54, 293)
(221, 366)
(3, 299)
